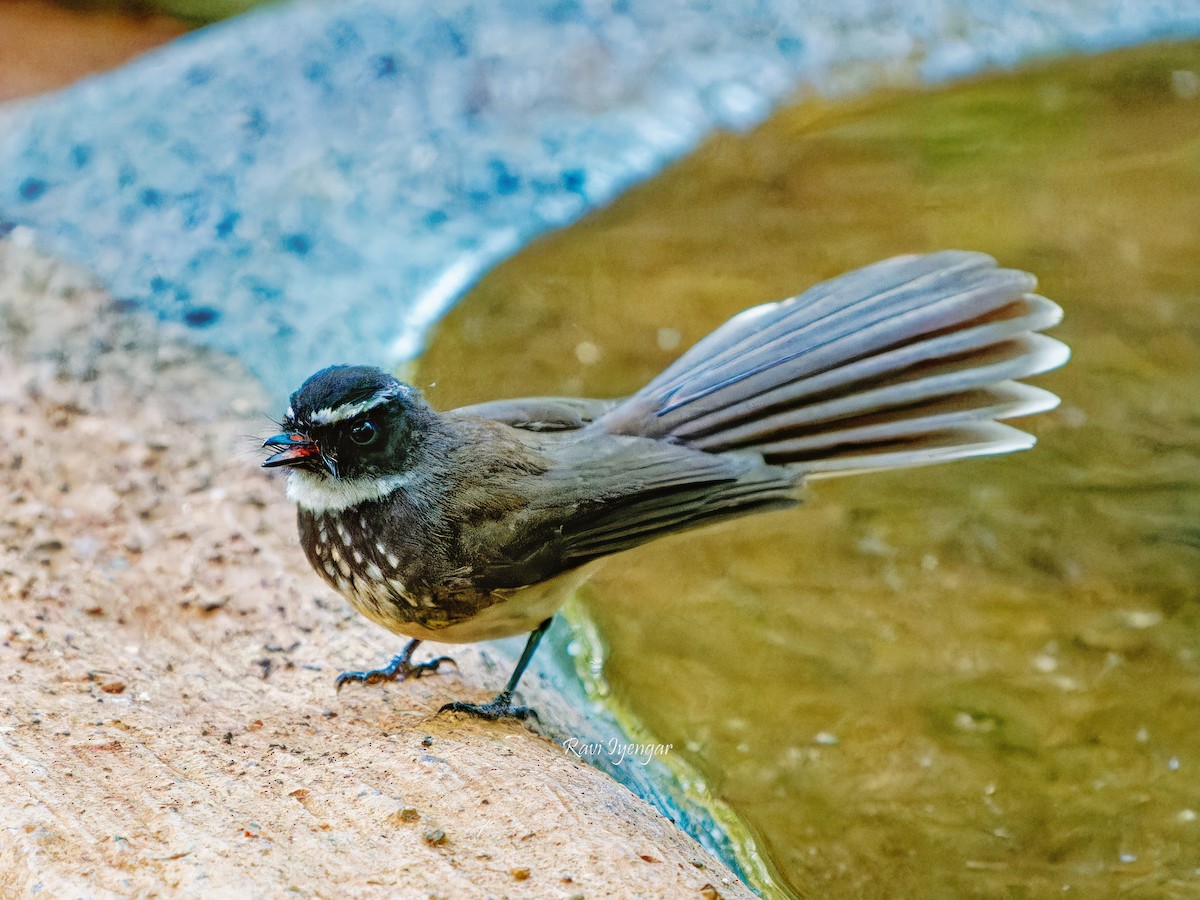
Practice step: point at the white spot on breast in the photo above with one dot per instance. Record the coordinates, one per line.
(373, 572)
(401, 590)
(358, 557)
(392, 559)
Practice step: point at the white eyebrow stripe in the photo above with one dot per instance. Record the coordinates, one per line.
(328, 416)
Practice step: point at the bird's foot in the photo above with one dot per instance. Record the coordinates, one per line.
(500, 708)
(401, 668)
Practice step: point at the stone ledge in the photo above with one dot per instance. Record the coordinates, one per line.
(170, 721)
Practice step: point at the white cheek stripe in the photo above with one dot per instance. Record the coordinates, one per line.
(321, 493)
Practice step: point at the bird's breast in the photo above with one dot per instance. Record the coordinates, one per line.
(394, 582)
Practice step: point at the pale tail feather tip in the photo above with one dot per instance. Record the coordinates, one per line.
(991, 439)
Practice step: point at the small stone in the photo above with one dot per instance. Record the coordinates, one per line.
(520, 873)
(435, 837)
(404, 814)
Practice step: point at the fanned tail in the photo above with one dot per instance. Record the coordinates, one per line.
(906, 362)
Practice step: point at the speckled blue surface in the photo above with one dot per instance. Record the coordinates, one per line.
(318, 182)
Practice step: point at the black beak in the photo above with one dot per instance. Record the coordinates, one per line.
(296, 450)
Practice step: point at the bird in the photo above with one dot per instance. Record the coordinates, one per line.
(477, 523)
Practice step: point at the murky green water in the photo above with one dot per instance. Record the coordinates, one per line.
(980, 679)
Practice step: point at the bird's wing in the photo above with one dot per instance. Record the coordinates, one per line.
(661, 489)
(604, 495)
(541, 413)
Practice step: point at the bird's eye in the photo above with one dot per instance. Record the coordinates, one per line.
(364, 433)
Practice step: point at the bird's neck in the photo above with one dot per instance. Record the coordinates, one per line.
(319, 494)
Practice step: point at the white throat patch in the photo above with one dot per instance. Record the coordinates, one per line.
(323, 493)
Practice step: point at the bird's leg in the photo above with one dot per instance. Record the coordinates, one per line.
(502, 706)
(400, 668)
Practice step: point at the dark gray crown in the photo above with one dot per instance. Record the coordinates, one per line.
(341, 392)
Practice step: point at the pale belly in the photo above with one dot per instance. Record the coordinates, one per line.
(515, 611)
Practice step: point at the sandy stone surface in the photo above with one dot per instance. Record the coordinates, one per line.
(169, 724)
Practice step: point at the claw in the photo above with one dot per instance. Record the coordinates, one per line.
(401, 668)
(502, 706)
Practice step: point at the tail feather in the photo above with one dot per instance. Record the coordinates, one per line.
(755, 327)
(1003, 400)
(902, 363)
(981, 439)
(901, 392)
(950, 362)
(868, 327)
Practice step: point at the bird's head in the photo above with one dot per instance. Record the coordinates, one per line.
(349, 435)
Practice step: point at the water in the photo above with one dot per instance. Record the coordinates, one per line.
(980, 679)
